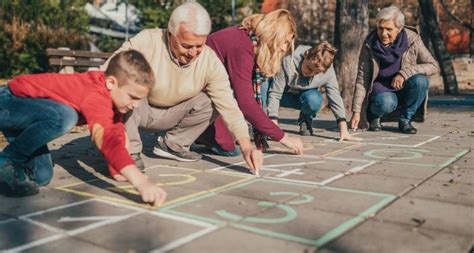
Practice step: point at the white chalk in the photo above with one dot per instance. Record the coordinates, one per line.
(257, 174)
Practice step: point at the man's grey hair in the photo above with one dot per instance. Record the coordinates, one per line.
(194, 18)
(391, 13)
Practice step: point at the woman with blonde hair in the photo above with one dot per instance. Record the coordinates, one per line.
(251, 53)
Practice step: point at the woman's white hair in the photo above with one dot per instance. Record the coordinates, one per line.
(193, 16)
(391, 13)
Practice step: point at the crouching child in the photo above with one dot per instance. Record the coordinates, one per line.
(36, 109)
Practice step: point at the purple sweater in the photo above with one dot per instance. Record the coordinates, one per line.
(234, 47)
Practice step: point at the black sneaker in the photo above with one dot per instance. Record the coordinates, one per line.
(138, 161)
(406, 127)
(162, 150)
(10, 183)
(374, 125)
(306, 125)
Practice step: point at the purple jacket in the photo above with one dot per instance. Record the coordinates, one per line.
(234, 48)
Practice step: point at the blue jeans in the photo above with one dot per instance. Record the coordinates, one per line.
(308, 101)
(410, 98)
(29, 124)
(264, 89)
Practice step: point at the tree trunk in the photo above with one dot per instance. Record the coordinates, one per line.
(352, 26)
(429, 14)
(315, 20)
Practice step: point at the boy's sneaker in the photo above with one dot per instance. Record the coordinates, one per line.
(138, 161)
(162, 150)
(10, 183)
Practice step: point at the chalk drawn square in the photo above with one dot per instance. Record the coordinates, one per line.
(304, 168)
(285, 210)
(172, 179)
(101, 222)
(385, 138)
(423, 156)
(15, 232)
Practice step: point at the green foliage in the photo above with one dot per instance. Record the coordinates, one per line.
(29, 27)
(106, 43)
(221, 12)
(156, 13)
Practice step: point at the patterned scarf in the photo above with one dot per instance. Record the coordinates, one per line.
(257, 79)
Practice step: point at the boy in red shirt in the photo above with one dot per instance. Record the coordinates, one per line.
(36, 109)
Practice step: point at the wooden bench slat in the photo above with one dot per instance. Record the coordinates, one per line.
(77, 53)
(75, 63)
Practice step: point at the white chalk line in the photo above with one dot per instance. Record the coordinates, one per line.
(115, 219)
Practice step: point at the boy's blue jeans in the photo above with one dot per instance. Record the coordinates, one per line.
(410, 97)
(28, 125)
(308, 101)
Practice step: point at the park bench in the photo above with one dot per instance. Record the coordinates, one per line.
(70, 61)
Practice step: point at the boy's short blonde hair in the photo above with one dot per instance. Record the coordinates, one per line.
(131, 66)
(322, 55)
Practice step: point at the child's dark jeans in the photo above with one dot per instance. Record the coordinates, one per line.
(28, 125)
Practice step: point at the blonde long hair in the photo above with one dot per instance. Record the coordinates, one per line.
(272, 30)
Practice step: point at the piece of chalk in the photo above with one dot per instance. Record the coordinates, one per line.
(257, 174)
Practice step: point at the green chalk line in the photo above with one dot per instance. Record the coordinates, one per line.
(456, 157)
(336, 232)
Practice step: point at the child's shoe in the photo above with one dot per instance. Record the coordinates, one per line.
(11, 185)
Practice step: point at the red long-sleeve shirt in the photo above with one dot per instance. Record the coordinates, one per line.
(234, 48)
(88, 95)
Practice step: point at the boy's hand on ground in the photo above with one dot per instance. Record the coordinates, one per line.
(355, 120)
(252, 156)
(293, 143)
(149, 192)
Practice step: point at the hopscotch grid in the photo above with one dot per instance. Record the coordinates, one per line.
(324, 156)
(235, 164)
(211, 228)
(60, 233)
(184, 240)
(353, 221)
(427, 141)
(208, 227)
(444, 164)
(434, 137)
(146, 206)
(349, 172)
(43, 225)
(324, 182)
